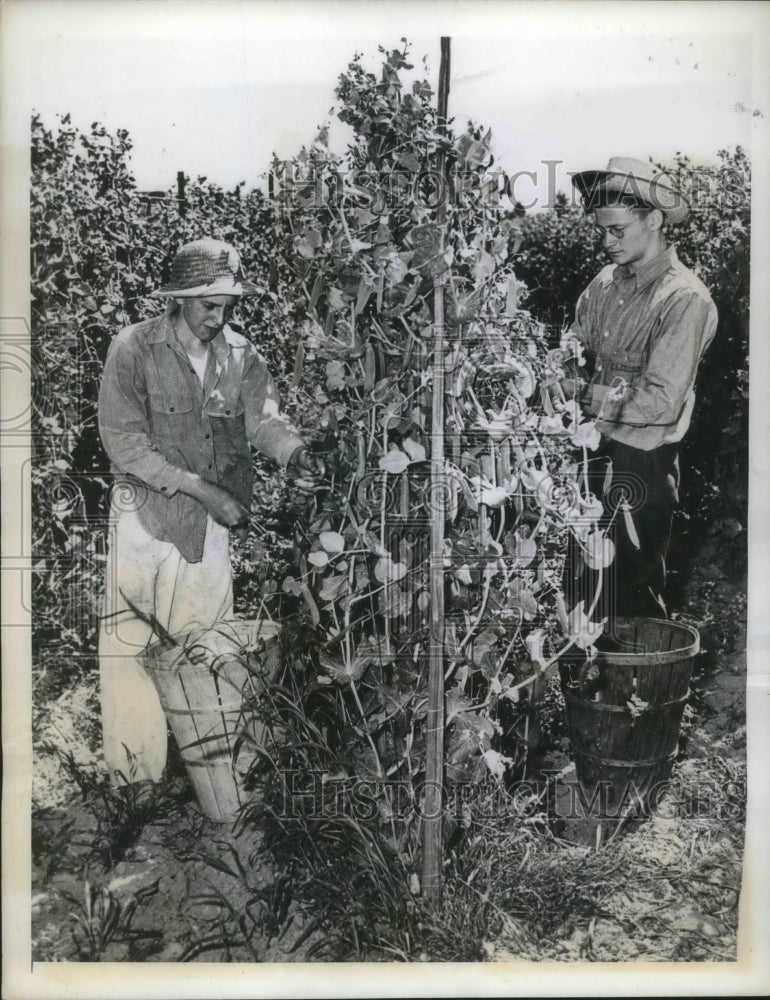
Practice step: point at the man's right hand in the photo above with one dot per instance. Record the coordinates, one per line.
(222, 505)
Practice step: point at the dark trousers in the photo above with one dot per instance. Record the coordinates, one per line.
(634, 584)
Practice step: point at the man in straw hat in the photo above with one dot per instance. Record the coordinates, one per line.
(643, 324)
(182, 398)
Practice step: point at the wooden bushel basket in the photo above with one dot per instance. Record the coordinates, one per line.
(201, 683)
(630, 749)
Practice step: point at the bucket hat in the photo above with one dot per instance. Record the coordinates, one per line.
(206, 267)
(641, 180)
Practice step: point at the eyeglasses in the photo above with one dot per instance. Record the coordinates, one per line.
(616, 232)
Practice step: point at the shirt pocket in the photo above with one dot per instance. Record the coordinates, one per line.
(171, 422)
(168, 405)
(228, 422)
(628, 363)
(227, 405)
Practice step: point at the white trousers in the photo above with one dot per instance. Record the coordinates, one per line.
(181, 596)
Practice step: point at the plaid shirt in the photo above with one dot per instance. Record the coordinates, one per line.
(159, 424)
(650, 328)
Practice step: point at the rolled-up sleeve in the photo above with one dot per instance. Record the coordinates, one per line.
(659, 395)
(267, 428)
(124, 425)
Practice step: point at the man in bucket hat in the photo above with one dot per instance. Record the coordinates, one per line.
(643, 325)
(182, 398)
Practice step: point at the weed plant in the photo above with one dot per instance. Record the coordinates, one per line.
(337, 863)
(121, 812)
(99, 920)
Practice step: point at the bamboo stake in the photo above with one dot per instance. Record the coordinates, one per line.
(434, 769)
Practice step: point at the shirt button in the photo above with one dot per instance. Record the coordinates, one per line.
(227, 412)
(621, 301)
(211, 465)
(208, 436)
(171, 409)
(599, 367)
(163, 489)
(606, 333)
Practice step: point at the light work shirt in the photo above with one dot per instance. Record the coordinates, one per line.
(159, 424)
(650, 328)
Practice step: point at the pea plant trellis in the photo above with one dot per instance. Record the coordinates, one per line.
(456, 466)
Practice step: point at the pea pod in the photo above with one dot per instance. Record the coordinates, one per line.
(360, 472)
(370, 368)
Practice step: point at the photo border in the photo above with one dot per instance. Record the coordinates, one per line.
(749, 975)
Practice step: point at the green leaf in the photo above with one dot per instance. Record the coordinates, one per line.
(525, 550)
(332, 541)
(456, 702)
(413, 449)
(585, 435)
(409, 161)
(304, 248)
(483, 266)
(394, 462)
(336, 300)
(387, 571)
(335, 375)
(582, 629)
(333, 587)
(534, 643)
(345, 672)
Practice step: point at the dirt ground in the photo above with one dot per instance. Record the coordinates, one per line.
(669, 886)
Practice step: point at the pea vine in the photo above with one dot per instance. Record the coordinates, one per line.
(360, 252)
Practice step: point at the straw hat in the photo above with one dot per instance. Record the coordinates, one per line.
(206, 267)
(638, 179)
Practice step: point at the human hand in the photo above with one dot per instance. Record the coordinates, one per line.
(222, 506)
(617, 390)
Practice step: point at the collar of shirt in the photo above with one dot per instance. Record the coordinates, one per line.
(648, 272)
(164, 332)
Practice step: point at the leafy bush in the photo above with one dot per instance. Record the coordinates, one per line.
(560, 253)
(715, 241)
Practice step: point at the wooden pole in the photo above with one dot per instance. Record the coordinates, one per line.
(181, 184)
(434, 768)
